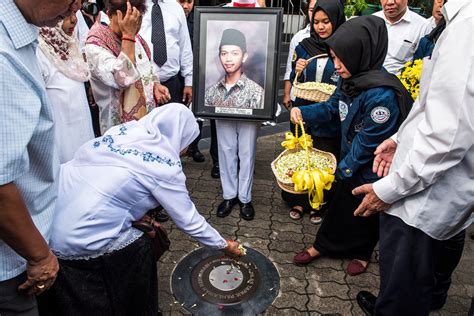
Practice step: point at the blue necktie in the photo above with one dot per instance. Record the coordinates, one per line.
(158, 36)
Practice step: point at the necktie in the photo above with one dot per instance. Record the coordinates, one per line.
(158, 37)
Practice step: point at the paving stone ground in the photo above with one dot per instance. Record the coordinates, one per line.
(323, 287)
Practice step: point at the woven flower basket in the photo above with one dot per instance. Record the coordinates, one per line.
(313, 93)
(288, 185)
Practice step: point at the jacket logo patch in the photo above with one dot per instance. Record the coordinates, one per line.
(343, 110)
(380, 114)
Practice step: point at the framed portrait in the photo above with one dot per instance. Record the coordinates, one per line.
(236, 62)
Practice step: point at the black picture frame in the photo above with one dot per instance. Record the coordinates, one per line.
(262, 28)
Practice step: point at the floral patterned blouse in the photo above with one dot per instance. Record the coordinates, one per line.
(111, 75)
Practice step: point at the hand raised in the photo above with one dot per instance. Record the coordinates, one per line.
(130, 23)
(383, 157)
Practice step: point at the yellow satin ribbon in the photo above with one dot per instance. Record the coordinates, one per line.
(292, 141)
(314, 181)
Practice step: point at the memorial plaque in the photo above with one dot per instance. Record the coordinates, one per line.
(207, 283)
(225, 281)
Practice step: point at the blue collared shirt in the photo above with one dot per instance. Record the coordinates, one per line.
(27, 155)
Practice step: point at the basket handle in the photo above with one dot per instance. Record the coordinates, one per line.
(307, 63)
(303, 133)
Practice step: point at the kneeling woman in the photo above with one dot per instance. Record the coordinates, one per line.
(371, 104)
(107, 267)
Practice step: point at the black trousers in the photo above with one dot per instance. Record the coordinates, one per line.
(122, 283)
(175, 86)
(415, 269)
(214, 149)
(14, 302)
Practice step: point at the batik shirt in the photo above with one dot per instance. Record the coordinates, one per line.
(245, 94)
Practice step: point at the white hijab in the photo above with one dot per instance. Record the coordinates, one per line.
(63, 51)
(150, 146)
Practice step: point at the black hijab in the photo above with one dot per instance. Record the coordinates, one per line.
(314, 45)
(436, 32)
(361, 44)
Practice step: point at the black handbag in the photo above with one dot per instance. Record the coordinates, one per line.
(157, 233)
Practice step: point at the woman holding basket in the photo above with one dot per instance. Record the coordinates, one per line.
(328, 15)
(371, 104)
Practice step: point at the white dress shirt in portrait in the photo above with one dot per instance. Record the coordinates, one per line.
(178, 43)
(403, 38)
(431, 180)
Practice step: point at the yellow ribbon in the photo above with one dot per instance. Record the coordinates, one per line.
(314, 181)
(292, 141)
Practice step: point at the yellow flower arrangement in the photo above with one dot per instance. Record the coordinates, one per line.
(410, 77)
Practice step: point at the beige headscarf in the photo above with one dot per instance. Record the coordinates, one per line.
(63, 52)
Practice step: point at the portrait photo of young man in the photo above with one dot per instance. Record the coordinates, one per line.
(234, 89)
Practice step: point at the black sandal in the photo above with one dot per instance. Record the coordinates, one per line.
(315, 218)
(296, 213)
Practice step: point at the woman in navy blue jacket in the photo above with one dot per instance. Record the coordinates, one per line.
(328, 15)
(370, 104)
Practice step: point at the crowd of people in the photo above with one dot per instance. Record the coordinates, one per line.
(75, 70)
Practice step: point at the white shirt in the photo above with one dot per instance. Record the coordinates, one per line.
(81, 30)
(72, 117)
(431, 180)
(403, 38)
(178, 42)
(97, 204)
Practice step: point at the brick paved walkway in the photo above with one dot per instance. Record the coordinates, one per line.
(320, 288)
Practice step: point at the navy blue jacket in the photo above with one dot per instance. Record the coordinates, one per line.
(425, 48)
(367, 121)
(326, 129)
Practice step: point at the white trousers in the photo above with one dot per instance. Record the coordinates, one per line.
(237, 142)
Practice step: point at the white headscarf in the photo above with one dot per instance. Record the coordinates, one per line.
(63, 52)
(150, 146)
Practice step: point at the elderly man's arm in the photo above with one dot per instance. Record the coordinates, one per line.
(19, 232)
(17, 229)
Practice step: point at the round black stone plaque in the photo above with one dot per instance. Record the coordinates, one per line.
(206, 283)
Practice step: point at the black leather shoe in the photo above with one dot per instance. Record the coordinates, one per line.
(226, 206)
(196, 155)
(215, 173)
(247, 211)
(366, 301)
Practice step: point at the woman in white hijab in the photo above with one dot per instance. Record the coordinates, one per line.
(107, 266)
(64, 72)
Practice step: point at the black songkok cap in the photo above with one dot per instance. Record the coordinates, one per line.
(233, 37)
